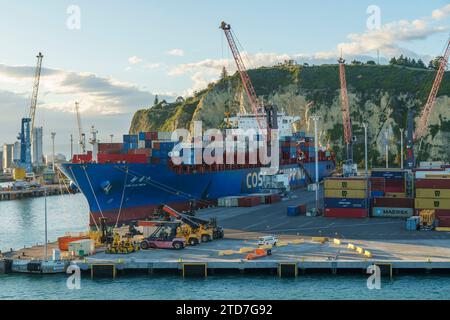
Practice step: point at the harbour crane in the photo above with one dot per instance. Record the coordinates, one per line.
(429, 105)
(81, 135)
(348, 167)
(270, 110)
(27, 127)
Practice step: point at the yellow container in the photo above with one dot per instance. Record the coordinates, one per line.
(395, 195)
(368, 254)
(346, 184)
(19, 174)
(350, 194)
(359, 250)
(319, 239)
(437, 176)
(433, 193)
(432, 203)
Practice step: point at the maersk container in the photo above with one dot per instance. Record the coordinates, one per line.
(345, 203)
(392, 212)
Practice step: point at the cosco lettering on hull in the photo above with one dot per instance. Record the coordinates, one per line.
(254, 180)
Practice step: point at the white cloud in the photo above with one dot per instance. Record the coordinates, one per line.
(59, 88)
(152, 65)
(361, 46)
(176, 52)
(441, 13)
(134, 60)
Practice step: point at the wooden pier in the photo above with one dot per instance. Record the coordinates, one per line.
(52, 190)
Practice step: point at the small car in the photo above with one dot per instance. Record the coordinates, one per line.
(267, 240)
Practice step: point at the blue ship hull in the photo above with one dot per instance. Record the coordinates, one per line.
(127, 192)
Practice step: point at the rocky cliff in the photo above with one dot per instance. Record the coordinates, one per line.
(378, 95)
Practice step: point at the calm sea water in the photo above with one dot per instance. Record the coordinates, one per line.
(22, 223)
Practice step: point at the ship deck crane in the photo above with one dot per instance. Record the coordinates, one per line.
(270, 111)
(429, 105)
(81, 135)
(348, 167)
(27, 126)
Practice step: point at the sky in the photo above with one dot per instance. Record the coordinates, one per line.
(114, 56)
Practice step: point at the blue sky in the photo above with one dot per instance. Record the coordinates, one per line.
(125, 52)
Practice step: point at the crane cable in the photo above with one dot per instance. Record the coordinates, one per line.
(93, 192)
(121, 199)
(166, 188)
(78, 186)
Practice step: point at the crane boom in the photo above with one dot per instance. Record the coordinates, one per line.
(246, 82)
(34, 95)
(425, 117)
(345, 109)
(81, 141)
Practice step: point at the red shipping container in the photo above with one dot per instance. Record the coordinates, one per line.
(302, 208)
(394, 189)
(108, 147)
(146, 152)
(442, 213)
(433, 183)
(395, 183)
(249, 201)
(443, 222)
(393, 202)
(345, 213)
(114, 158)
(273, 198)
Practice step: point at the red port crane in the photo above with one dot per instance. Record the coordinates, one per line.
(423, 121)
(348, 136)
(247, 83)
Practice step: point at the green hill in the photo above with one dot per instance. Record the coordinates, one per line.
(378, 95)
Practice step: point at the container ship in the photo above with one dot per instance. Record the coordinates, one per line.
(128, 181)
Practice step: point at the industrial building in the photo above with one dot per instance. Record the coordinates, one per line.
(7, 157)
(36, 151)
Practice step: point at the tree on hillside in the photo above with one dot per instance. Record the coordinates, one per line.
(156, 100)
(407, 62)
(434, 64)
(371, 63)
(224, 73)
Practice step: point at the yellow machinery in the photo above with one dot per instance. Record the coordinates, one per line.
(427, 218)
(185, 231)
(122, 245)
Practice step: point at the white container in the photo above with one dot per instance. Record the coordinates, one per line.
(164, 135)
(141, 144)
(82, 247)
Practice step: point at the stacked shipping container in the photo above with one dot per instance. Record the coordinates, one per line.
(388, 194)
(433, 193)
(345, 198)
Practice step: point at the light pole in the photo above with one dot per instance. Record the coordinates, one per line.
(401, 147)
(366, 169)
(53, 150)
(316, 118)
(45, 220)
(112, 136)
(386, 147)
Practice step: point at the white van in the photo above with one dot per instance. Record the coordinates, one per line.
(267, 240)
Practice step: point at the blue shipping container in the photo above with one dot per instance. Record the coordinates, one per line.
(345, 203)
(376, 194)
(293, 211)
(141, 136)
(388, 174)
